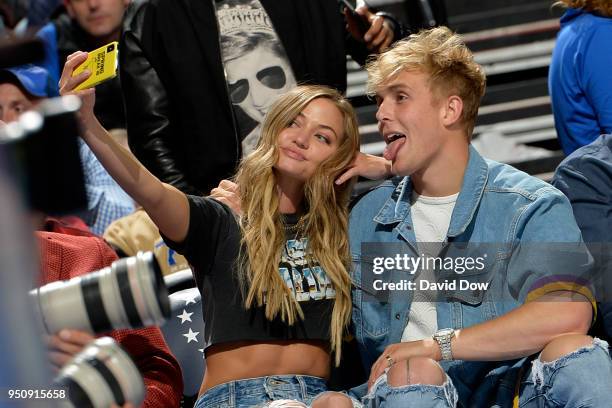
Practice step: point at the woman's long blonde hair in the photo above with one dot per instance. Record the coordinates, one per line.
(325, 221)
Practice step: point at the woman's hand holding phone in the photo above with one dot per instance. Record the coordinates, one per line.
(68, 83)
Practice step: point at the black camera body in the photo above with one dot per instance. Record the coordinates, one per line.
(41, 148)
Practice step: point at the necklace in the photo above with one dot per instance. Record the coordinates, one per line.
(295, 227)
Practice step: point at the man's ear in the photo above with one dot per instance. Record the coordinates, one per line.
(453, 110)
(69, 9)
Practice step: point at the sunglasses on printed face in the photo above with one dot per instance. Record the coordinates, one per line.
(271, 77)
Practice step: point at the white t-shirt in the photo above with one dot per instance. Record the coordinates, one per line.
(431, 218)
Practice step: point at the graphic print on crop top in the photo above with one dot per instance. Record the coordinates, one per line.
(306, 281)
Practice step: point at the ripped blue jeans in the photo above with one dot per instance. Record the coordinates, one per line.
(580, 379)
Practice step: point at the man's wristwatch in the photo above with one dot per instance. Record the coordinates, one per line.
(443, 337)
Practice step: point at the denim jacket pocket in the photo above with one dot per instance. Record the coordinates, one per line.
(368, 301)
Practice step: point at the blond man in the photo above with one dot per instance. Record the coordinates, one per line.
(520, 337)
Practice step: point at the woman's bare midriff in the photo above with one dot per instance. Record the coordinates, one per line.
(240, 360)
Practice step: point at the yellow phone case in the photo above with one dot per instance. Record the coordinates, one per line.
(102, 63)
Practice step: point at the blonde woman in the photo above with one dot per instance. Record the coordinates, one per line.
(274, 282)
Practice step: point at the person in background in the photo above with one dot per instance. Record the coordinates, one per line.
(21, 89)
(87, 25)
(585, 177)
(579, 78)
(67, 252)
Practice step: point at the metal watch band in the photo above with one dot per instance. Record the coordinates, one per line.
(445, 348)
(443, 338)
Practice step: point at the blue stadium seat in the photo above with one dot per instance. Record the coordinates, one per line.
(184, 333)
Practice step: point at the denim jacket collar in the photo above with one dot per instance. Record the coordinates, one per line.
(397, 208)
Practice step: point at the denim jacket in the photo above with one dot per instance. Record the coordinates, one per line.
(497, 205)
(585, 177)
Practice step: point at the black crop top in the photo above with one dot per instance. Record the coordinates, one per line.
(212, 247)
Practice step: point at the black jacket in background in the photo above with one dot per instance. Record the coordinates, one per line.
(109, 101)
(179, 116)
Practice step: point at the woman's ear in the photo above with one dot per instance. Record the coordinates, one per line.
(452, 110)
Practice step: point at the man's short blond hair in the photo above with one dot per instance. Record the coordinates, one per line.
(443, 56)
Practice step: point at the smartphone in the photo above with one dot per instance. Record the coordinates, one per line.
(102, 63)
(351, 5)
